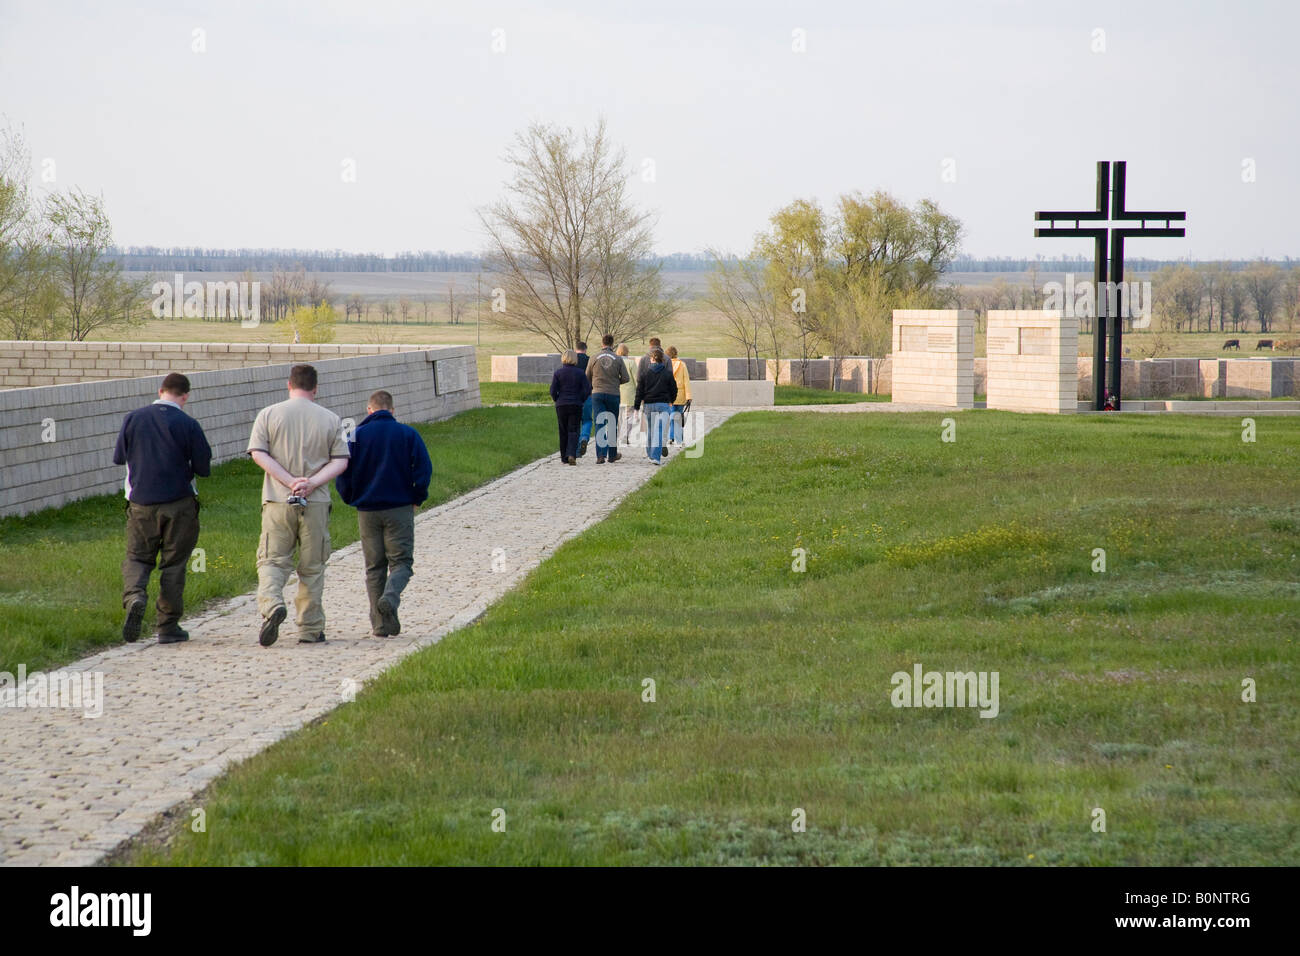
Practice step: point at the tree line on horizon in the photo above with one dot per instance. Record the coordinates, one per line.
(201, 259)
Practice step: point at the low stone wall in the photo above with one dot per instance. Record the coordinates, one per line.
(1207, 378)
(31, 364)
(747, 393)
(1143, 378)
(56, 441)
(539, 367)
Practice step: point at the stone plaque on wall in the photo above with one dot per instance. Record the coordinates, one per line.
(913, 338)
(1002, 342)
(1036, 341)
(942, 340)
(450, 375)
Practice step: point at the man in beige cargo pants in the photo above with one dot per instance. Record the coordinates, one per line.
(302, 448)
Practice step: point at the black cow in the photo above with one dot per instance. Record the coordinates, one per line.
(1263, 344)
(1233, 344)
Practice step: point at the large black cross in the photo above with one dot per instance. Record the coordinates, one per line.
(1110, 198)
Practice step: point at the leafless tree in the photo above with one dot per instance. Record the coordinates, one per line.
(92, 290)
(566, 245)
(739, 290)
(455, 307)
(1263, 284)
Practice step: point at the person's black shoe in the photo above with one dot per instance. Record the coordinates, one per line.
(271, 626)
(317, 638)
(134, 618)
(582, 448)
(175, 636)
(388, 617)
(615, 457)
(600, 461)
(573, 461)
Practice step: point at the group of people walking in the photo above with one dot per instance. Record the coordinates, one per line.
(383, 470)
(602, 395)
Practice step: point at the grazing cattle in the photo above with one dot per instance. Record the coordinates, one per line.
(1233, 344)
(1263, 344)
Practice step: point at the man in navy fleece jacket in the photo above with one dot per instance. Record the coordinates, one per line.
(163, 450)
(387, 479)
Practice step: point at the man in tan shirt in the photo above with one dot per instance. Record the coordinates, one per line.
(302, 448)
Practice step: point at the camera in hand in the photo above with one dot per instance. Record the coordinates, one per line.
(297, 500)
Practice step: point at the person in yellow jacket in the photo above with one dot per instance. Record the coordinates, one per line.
(626, 397)
(682, 375)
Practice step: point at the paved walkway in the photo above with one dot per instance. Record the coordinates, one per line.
(73, 787)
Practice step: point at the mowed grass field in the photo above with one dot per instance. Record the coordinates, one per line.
(60, 570)
(1120, 690)
(495, 393)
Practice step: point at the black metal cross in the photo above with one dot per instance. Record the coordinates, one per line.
(1110, 198)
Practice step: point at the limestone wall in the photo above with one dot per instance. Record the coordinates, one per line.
(934, 357)
(29, 364)
(748, 393)
(1032, 363)
(56, 441)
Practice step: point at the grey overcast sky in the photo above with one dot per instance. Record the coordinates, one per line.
(243, 144)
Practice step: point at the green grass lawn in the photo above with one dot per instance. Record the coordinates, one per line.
(1118, 690)
(798, 395)
(60, 569)
(494, 393)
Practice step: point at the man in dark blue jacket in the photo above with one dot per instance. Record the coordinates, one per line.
(387, 479)
(163, 449)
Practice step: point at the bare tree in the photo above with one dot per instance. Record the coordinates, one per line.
(566, 242)
(455, 307)
(286, 291)
(387, 310)
(29, 299)
(740, 291)
(1237, 301)
(1263, 284)
(353, 305)
(404, 307)
(92, 290)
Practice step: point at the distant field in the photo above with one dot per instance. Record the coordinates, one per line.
(698, 332)
(379, 285)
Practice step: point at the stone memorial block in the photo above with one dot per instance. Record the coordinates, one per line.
(934, 357)
(1032, 363)
(538, 367)
(734, 369)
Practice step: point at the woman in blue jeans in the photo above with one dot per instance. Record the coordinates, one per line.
(656, 390)
(569, 390)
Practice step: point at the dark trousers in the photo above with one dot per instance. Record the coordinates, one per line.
(604, 409)
(569, 418)
(165, 535)
(388, 546)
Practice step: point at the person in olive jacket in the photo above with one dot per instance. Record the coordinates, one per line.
(570, 389)
(656, 389)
